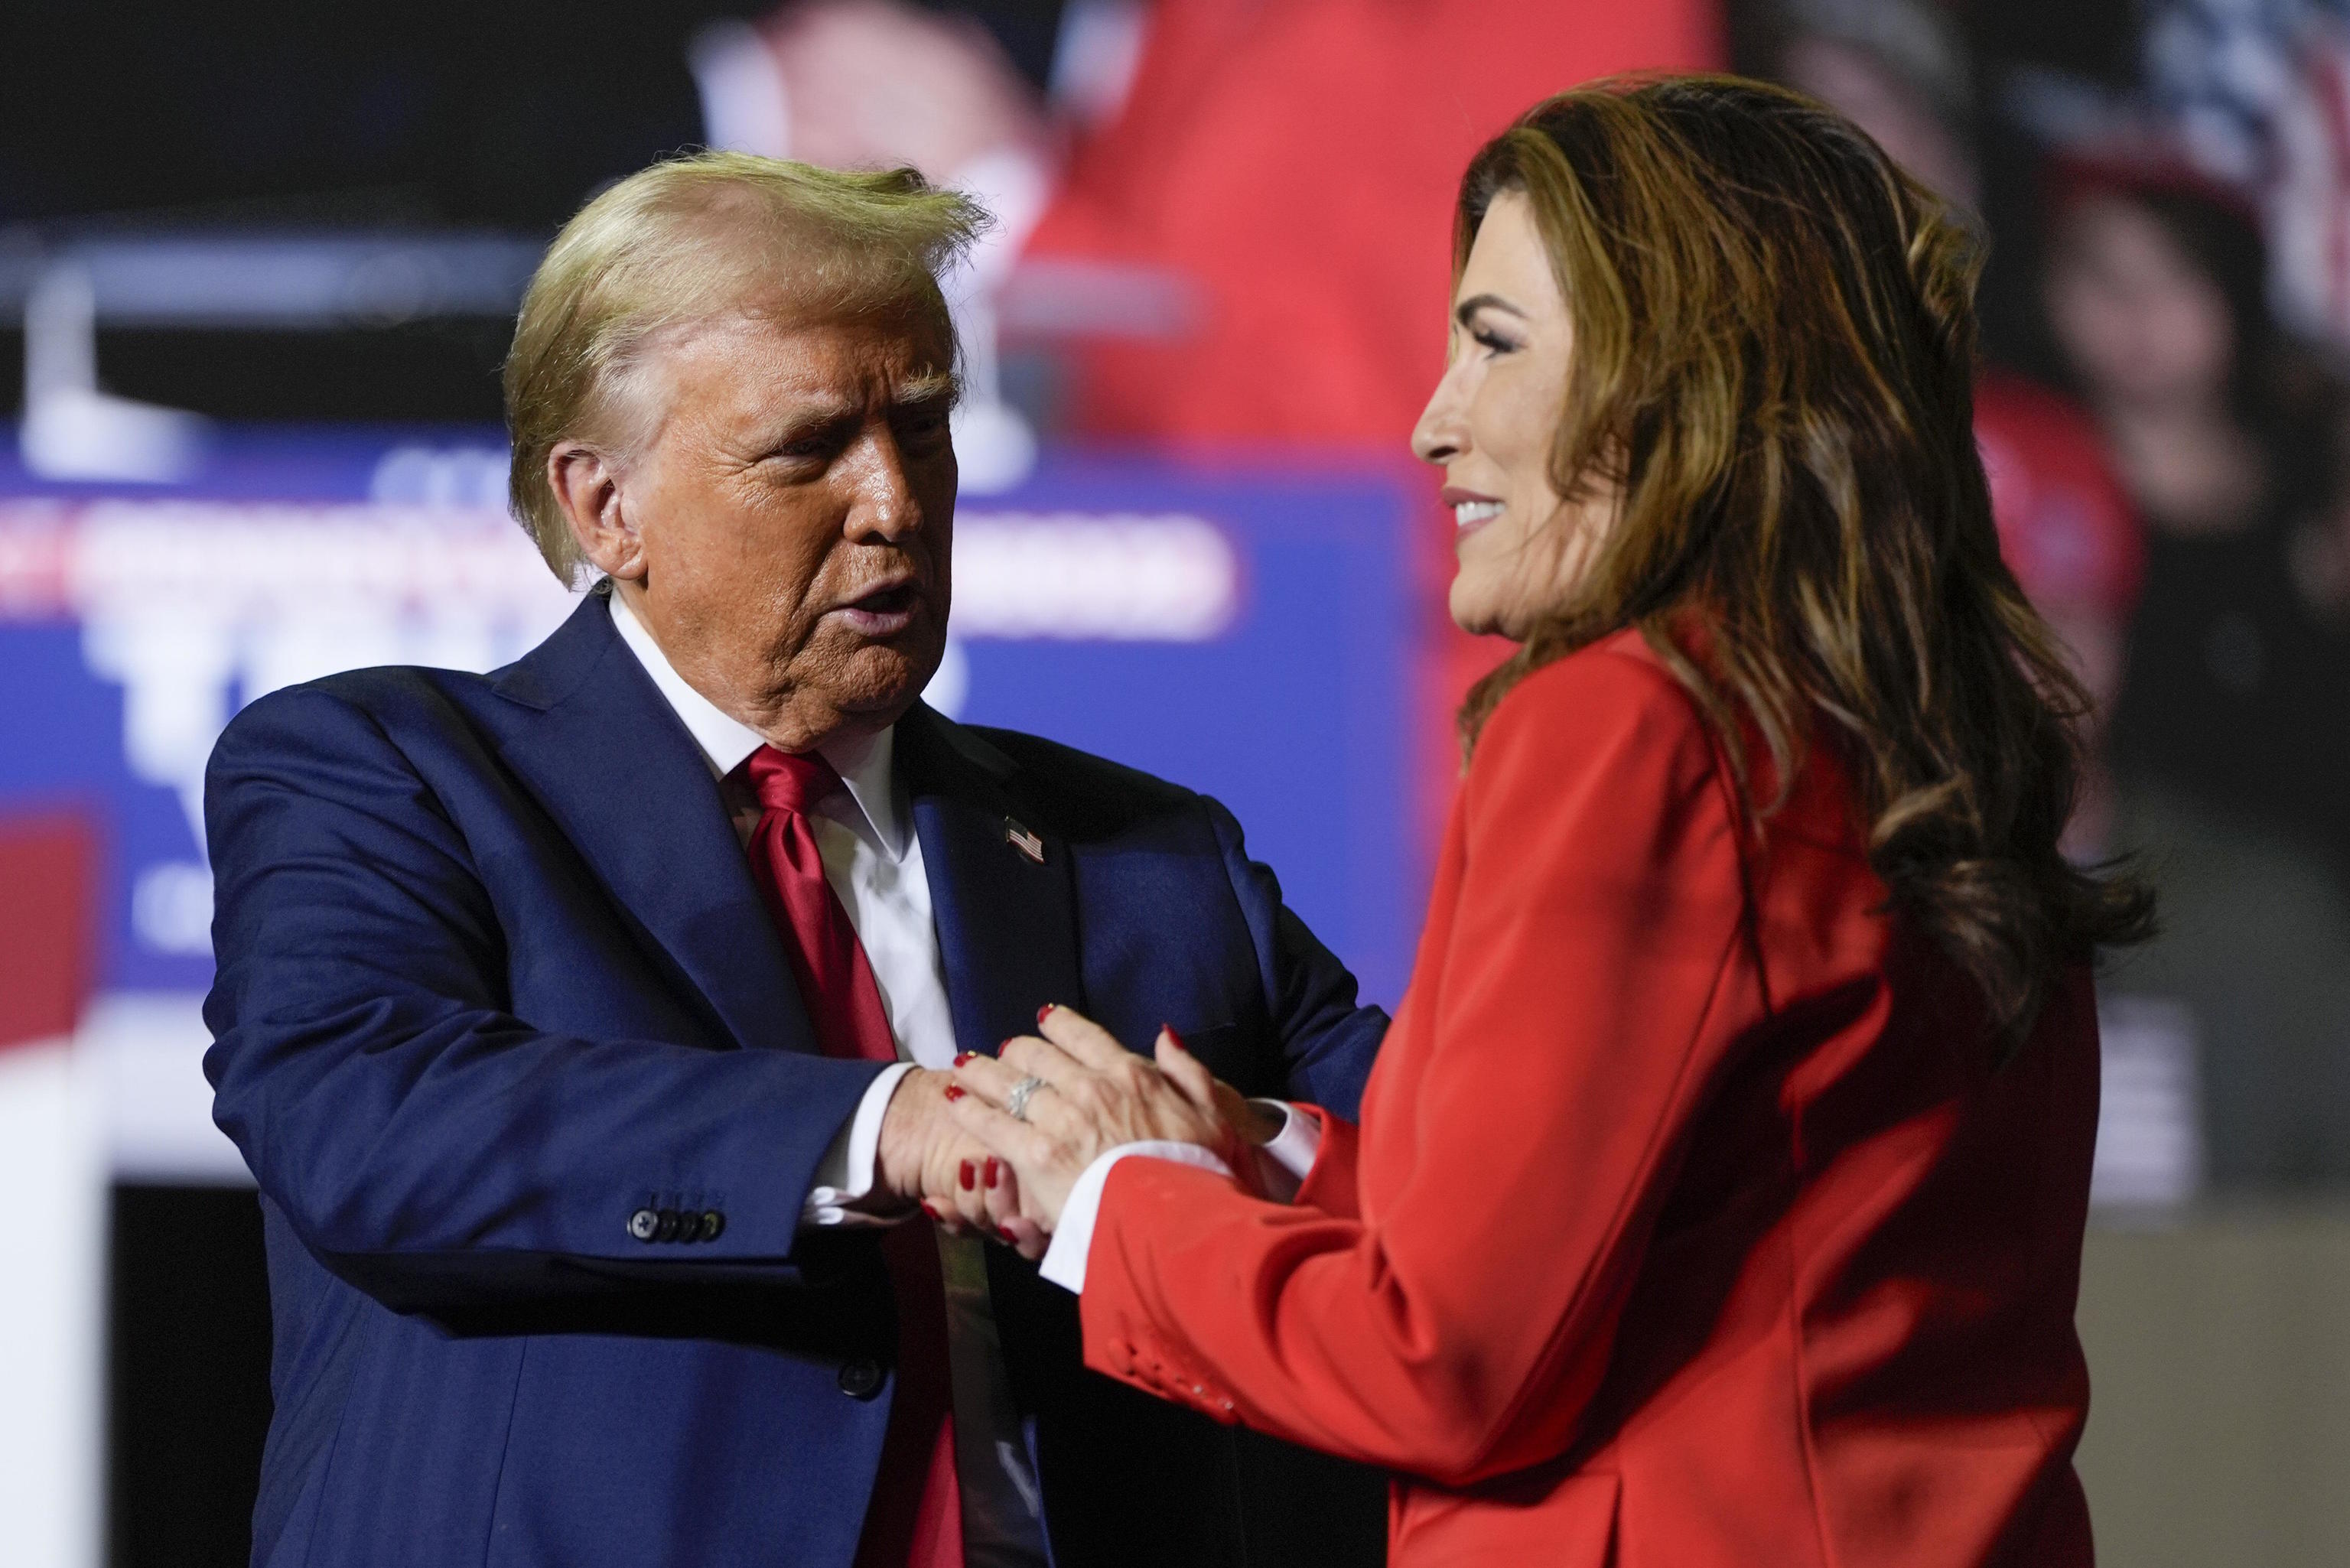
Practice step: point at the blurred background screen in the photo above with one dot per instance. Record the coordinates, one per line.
(258, 266)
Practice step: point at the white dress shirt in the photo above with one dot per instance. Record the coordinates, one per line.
(874, 862)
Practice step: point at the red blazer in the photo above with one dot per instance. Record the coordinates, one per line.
(1689, 1223)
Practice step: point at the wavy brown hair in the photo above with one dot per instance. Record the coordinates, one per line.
(1774, 344)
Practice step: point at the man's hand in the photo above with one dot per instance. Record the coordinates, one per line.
(925, 1158)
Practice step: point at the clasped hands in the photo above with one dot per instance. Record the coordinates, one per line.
(950, 1142)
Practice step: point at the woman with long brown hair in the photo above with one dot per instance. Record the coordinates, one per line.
(1718, 1194)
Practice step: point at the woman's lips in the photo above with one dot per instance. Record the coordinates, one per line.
(1470, 511)
(1468, 519)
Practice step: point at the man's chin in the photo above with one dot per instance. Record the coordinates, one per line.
(884, 677)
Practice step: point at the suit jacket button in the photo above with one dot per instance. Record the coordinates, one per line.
(861, 1378)
(712, 1222)
(665, 1228)
(643, 1223)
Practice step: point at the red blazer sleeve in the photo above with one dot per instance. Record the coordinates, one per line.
(1329, 1185)
(1561, 1029)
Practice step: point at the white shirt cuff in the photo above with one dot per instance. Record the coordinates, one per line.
(1282, 1165)
(845, 1173)
(1064, 1260)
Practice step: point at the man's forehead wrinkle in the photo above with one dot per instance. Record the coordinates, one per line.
(742, 380)
(829, 358)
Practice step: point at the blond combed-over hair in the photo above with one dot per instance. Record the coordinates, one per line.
(691, 239)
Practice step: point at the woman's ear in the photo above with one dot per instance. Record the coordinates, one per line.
(588, 486)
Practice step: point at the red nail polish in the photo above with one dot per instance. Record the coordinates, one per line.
(1006, 1231)
(968, 1177)
(992, 1172)
(1168, 1030)
(955, 1091)
(1045, 1012)
(962, 1056)
(930, 1208)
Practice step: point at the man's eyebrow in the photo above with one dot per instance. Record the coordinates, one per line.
(1477, 302)
(821, 411)
(937, 387)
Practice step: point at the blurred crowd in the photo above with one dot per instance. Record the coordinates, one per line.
(2164, 415)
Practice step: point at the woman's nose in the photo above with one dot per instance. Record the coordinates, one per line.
(1441, 433)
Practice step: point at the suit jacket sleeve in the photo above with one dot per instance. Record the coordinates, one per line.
(1329, 1186)
(1328, 1039)
(1459, 1325)
(422, 1141)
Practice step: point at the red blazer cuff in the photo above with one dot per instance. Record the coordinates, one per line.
(1330, 1185)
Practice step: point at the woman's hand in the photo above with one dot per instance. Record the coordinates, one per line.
(977, 1195)
(1095, 1096)
(926, 1157)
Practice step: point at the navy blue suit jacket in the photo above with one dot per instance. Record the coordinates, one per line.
(493, 977)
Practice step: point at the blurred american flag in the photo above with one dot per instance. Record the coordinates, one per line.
(2257, 93)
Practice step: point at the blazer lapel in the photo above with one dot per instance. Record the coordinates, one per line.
(1006, 914)
(616, 770)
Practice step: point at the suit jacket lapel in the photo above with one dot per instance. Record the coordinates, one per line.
(1006, 920)
(616, 770)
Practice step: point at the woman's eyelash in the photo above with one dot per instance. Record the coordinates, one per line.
(1493, 340)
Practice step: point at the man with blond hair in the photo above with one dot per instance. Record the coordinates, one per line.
(584, 1024)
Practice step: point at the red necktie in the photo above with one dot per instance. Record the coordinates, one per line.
(915, 1519)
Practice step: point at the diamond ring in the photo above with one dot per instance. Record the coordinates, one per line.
(1016, 1103)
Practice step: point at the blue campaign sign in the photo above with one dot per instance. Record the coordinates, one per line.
(1246, 629)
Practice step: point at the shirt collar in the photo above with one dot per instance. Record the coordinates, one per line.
(865, 763)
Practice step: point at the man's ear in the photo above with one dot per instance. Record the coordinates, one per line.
(587, 483)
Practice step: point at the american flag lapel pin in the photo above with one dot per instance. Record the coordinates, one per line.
(1022, 840)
